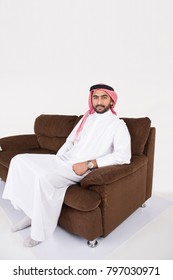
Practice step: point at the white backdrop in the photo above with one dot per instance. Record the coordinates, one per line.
(52, 51)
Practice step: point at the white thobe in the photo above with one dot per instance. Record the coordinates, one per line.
(37, 183)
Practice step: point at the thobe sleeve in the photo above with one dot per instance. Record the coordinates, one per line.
(121, 152)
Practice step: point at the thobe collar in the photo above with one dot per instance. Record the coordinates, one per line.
(103, 115)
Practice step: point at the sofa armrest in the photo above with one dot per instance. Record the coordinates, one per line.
(122, 189)
(19, 142)
(109, 174)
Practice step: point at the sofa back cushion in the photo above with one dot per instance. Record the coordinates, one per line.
(139, 129)
(52, 130)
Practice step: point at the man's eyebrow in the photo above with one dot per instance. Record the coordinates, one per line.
(95, 94)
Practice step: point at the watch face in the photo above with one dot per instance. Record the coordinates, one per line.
(90, 165)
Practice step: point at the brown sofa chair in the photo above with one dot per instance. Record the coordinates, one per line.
(106, 196)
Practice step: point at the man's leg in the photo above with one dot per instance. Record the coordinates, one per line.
(49, 196)
(37, 185)
(22, 224)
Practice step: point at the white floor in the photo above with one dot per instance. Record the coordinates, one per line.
(146, 234)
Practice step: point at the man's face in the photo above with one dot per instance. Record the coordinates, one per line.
(101, 101)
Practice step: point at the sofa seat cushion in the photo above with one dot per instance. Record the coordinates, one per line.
(6, 156)
(81, 199)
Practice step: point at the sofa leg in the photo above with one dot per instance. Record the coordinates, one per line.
(93, 243)
(143, 205)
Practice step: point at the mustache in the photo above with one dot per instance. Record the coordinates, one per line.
(100, 106)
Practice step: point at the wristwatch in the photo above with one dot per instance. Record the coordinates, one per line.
(90, 165)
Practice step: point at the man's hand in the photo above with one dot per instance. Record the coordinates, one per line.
(80, 168)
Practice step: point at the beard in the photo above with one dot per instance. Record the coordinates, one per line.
(100, 109)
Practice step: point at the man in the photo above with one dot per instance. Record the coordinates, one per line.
(37, 184)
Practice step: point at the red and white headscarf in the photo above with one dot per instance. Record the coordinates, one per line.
(110, 91)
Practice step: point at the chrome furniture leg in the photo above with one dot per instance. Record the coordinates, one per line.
(93, 243)
(143, 205)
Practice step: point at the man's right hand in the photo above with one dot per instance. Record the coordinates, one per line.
(80, 168)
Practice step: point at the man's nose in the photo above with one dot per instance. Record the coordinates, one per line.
(99, 100)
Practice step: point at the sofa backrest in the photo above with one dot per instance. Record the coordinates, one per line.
(52, 130)
(139, 129)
